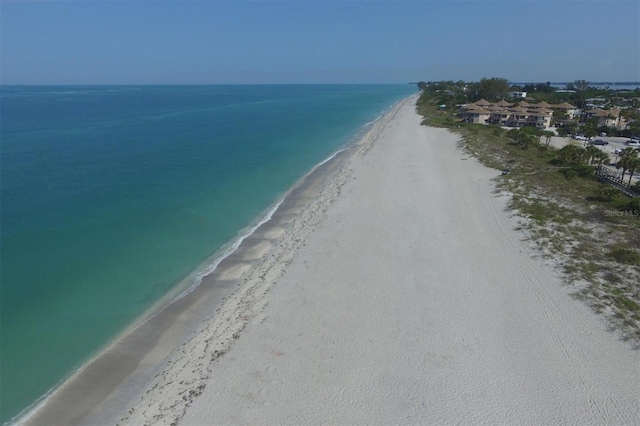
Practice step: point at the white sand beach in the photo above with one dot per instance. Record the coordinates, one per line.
(401, 294)
(389, 288)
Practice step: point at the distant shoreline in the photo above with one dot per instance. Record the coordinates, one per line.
(631, 85)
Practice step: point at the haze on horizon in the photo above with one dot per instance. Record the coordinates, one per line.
(219, 42)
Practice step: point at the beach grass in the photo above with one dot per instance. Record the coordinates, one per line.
(587, 232)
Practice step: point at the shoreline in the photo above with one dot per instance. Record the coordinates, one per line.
(133, 357)
(403, 295)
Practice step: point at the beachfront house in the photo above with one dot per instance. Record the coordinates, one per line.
(524, 113)
(477, 115)
(506, 114)
(570, 110)
(540, 118)
(607, 117)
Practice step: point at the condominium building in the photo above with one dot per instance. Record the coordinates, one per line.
(607, 117)
(506, 114)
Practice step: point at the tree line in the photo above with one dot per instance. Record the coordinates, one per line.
(494, 89)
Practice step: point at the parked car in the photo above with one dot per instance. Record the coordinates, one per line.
(599, 142)
(617, 151)
(579, 137)
(633, 142)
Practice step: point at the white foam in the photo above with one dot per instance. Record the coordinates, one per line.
(229, 250)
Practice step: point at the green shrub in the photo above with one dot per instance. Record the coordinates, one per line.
(609, 192)
(624, 255)
(580, 170)
(584, 171)
(634, 204)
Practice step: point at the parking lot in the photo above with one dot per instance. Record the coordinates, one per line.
(614, 143)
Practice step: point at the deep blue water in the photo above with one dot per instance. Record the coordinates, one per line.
(110, 196)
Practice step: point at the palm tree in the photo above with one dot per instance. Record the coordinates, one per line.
(599, 158)
(548, 135)
(626, 159)
(633, 165)
(590, 153)
(589, 133)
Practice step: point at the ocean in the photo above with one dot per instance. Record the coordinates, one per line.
(113, 195)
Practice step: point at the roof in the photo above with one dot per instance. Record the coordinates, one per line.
(504, 103)
(482, 102)
(478, 111)
(564, 105)
(604, 112)
(542, 104)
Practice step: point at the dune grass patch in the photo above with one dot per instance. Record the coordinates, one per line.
(588, 231)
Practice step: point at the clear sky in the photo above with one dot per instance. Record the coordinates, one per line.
(202, 42)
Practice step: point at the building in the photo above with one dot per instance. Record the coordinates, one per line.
(570, 110)
(477, 115)
(518, 95)
(606, 117)
(506, 114)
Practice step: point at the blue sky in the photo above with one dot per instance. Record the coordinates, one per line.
(211, 42)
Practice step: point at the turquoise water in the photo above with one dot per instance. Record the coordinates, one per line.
(110, 196)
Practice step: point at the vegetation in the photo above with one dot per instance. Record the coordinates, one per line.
(452, 93)
(493, 89)
(629, 162)
(589, 230)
